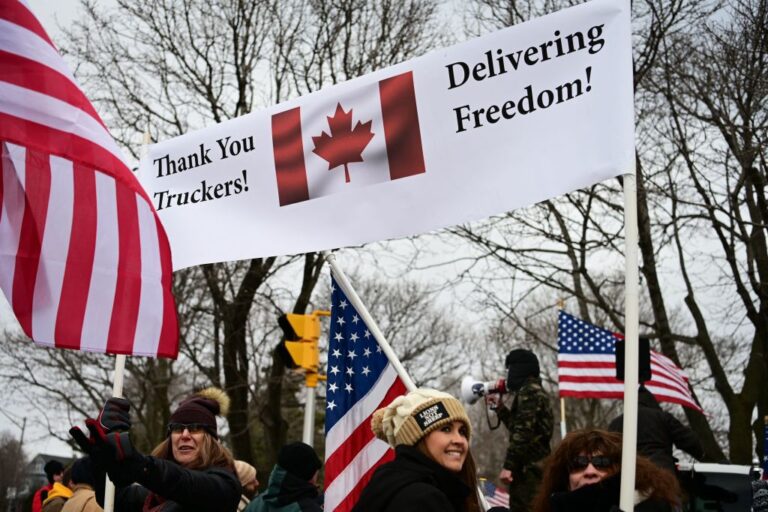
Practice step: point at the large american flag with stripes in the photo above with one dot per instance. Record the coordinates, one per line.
(360, 380)
(84, 260)
(586, 366)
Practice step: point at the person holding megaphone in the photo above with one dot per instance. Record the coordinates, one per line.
(530, 421)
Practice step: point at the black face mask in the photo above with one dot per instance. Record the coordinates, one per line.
(520, 364)
(516, 376)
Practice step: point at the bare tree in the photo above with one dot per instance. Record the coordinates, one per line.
(566, 245)
(717, 123)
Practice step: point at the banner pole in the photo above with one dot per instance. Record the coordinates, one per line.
(631, 356)
(117, 391)
(369, 321)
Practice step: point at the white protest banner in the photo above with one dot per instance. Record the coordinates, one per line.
(493, 124)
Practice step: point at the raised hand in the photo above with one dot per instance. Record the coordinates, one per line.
(115, 415)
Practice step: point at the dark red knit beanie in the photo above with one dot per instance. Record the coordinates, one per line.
(202, 408)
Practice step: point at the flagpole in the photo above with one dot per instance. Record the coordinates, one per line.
(117, 391)
(117, 385)
(369, 321)
(563, 429)
(631, 356)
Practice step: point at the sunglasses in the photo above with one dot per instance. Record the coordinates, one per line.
(193, 428)
(580, 462)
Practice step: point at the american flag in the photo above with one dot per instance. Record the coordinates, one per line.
(84, 261)
(360, 380)
(495, 496)
(586, 366)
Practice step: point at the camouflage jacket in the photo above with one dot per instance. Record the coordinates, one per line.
(530, 422)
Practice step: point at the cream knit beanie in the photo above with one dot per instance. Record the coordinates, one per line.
(410, 417)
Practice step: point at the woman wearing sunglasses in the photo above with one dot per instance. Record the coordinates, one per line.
(189, 470)
(584, 474)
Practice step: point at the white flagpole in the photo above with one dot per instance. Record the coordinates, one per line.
(117, 385)
(369, 321)
(117, 391)
(631, 356)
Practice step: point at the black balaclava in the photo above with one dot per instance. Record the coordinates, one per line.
(521, 364)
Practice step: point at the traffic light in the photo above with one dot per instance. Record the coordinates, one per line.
(299, 347)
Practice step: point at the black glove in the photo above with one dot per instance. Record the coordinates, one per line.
(115, 415)
(99, 456)
(112, 451)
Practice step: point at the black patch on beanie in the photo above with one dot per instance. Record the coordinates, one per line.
(430, 415)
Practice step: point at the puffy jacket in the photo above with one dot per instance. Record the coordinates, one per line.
(286, 493)
(83, 500)
(57, 496)
(413, 483)
(165, 486)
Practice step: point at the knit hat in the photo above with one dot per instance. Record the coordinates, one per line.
(82, 472)
(52, 467)
(299, 459)
(202, 408)
(245, 472)
(410, 417)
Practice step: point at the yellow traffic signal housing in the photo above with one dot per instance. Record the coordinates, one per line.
(301, 334)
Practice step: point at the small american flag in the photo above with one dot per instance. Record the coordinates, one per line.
(84, 260)
(360, 380)
(494, 494)
(586, 366)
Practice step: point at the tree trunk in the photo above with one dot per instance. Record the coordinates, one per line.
(697, 420)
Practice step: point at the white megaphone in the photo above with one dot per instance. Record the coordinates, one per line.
(472, 389)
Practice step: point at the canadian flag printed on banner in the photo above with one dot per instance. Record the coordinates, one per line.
(370, 135)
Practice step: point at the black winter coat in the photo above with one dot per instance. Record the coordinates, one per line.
(173, 488)
(602, 497)
(413, 483)
(657, 431)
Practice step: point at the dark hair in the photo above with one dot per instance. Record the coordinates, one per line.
(657, 483)
(212, 454)
(467, 474)
(52, 467)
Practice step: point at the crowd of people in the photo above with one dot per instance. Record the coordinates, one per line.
(433, 468)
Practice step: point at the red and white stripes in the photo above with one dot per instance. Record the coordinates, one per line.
(84, 260)
(352, 451)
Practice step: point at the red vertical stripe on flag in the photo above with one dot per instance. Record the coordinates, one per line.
(401, 126)
(169, 334)
(289, 157)
(37, 189)
(125, 310)
(79, 269)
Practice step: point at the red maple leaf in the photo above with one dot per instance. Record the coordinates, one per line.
(344, 145)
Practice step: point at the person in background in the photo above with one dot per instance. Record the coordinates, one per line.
(189, 471)
(247, 476)
(54, 470)
(433, 469)
(293, 482)
(59, 493)
(583, 474)
(658, 430)
(529, 421)
(83, 484)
